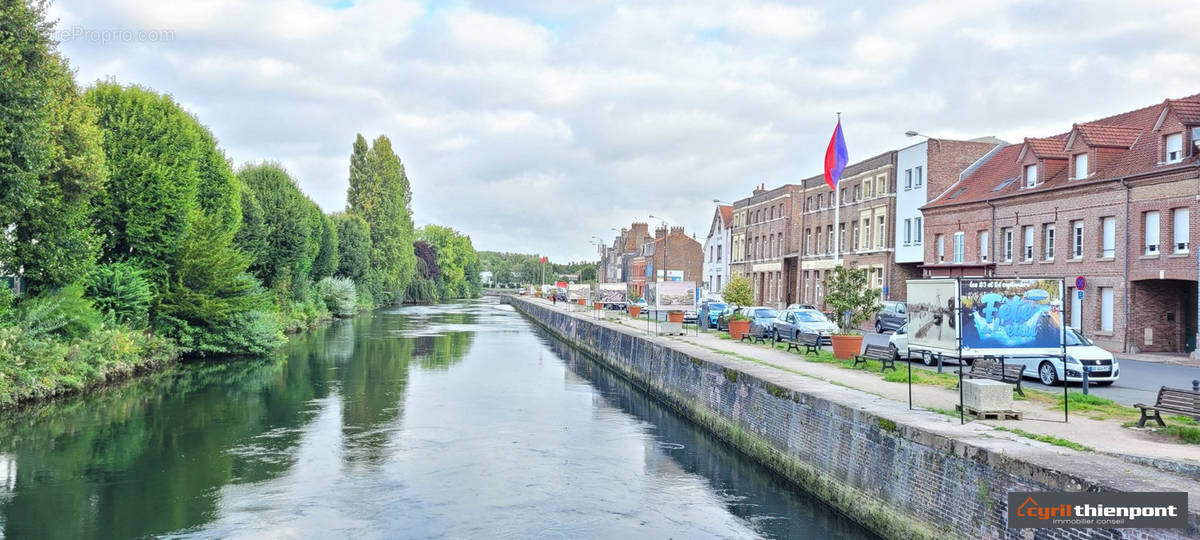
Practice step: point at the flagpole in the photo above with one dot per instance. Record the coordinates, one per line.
(837, 213)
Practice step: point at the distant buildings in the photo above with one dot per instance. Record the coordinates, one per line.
(716, 249)
(635, 257)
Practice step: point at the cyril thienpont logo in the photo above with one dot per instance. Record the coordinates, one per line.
(1105, 510)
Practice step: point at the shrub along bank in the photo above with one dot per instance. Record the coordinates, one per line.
(133, 241)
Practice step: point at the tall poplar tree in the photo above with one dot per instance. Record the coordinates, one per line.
(379, 192)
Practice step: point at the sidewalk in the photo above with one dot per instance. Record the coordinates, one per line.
(1181, 359)
(1106, 436)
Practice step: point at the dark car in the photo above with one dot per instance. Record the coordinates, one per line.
(760, 318)
(793, 322)
(709, 311)
(891, 317)
(725, 315)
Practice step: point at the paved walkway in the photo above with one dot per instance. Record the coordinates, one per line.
(1181, 359)
(1102, 435)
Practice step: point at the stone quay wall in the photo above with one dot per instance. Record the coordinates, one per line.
(901, 473)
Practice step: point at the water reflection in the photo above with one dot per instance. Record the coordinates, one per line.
(452, 420)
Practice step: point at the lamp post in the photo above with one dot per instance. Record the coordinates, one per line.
(666, 240)
(911, 133)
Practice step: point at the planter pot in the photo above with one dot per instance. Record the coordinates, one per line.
(675, 316)
(846, 346)
(634, 311)
(599, 305)
(582, 302)
(738, 328)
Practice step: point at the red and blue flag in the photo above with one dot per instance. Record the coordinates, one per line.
(836, 157)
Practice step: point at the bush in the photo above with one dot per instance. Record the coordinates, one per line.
(339, 295)
(848, 290)
(122, 291)
(254, 332)
(64, 312)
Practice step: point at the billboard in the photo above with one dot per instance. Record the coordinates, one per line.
(932, 314)
(578, 291)
(1004, 314)
(671, 275)
(673, 295)
(611, 293)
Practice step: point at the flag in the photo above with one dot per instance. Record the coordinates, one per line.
(543, 260)
(836, 157)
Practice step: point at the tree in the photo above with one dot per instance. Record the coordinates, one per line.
(251, 237)
(25, 93)
(326, 262)
(738, 291)
(847, 290)
(457, 262)
(153, 149)
(354, 247)
(53, 239)
(292, 234)
(379, 192)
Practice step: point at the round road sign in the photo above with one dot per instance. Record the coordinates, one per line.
(1080, 283)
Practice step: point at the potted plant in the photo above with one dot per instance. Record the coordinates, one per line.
(634, 309)
(675, 316)
(854, 301)
(738, 293)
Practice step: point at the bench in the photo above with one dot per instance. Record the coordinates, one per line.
(1172, 400)
(758, 334)
(810, 342)
(991, 368)
(877, 352)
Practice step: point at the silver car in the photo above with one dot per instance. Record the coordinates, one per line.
(793, 322)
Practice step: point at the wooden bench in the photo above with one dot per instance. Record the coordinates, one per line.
(759, 335)
(810, 342)
(877, 352)
(1172, 400)
(993, 369)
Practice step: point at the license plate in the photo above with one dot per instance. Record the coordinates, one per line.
(1097, 369)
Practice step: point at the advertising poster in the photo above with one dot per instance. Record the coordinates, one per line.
(578, 291)
(1007, 314)
(671, 275)
(675, 295)
(933, 315)
(611, 293)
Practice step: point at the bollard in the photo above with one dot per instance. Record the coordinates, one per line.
(1196, 385)
(1085, 380)
(939, 357)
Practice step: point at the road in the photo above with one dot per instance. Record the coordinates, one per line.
(1139, 382)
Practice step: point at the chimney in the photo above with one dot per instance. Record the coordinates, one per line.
(676, 231)
(759, 189)
(660, 232)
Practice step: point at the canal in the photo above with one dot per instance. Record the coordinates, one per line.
(457, 420)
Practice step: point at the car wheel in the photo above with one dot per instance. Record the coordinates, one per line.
(878, 327)
(1047, 374)
(928, 360)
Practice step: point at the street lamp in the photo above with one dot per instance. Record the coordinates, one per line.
(666, 239)
(911, 133)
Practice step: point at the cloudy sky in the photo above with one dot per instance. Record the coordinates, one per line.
(533, 126)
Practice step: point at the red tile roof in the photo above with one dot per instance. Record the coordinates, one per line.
(997, 177)
(1106, 135)
(726, 214)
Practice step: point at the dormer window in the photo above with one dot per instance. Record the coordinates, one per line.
(1174, 143)
(1081, 165)
(1030, 175)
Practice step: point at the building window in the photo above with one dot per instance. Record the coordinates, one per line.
(1028, 245)
(1150, 222)
(820, 202)
(866, 234)
(1108, 242)
(1049, 241)
(1174, 147)
(844, 201)
(1008, 244)
(959, 247)
(1077, 239)
(1106, 309)
(808, 204)
(855, 235)
(907, 179)
(829, 239)
(918, 230)
(941, 247)
(1081, 165)
(841, 237)
(880, 187)
(1030, 175)
(984, 248)
(1180, 229)
(908, 231)
(881, 231)
(918, 177)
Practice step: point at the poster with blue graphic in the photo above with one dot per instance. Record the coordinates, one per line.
(1014, 313)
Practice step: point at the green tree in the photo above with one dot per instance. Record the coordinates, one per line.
(291, 243)
(379, 192)
(251, 237)
(53, 238)
(25, 93)
(457, 262)
(327, 255)
(738, 291)
(354, 247)
(848, 290)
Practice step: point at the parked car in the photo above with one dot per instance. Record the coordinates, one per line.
(760, 317)
(794, 307)
(710, 310)
(793, 322)
(1102, 368)
(892, 316)
(899, 343)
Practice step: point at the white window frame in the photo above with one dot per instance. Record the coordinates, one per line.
(1108, 240)
(959, 246)
(1181, 229)
(1173, 146)
(1030, 172)
(881, 232)
(984, 246)
(1008, 244)
(1048, 242)
(941, 248)
(920, 177)
(907, 179)
(919, 230)
(1081, 159)
(1077, 239)
(1151, 224)
(908, 231)
(1106, 309)
(1027, 246)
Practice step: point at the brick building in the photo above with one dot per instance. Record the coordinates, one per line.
(716, 249)
(1110, 200)
(615, 259)
(761, 239)
(671, 250)
(864, 233)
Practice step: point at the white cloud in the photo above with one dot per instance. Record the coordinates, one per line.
(534, 125)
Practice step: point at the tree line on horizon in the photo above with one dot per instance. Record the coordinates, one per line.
(135, 239)
(513, 269)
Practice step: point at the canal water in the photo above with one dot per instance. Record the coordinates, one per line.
(459, 420)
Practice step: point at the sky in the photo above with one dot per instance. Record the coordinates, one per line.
(535, 126)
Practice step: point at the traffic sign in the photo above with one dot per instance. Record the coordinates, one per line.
(1079, 294)
(1080, 283)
